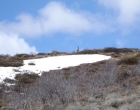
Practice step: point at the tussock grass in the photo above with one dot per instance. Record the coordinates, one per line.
(26, 78)
(129, 60)
(86, 51)
(13, 64)
(117, 50)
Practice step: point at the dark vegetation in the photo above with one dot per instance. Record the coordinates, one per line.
(17, 60)
(57, 89)
(118, 50)
(26, 77)
(23, 80)
(6, 60)
(129, 60)
(31, 63)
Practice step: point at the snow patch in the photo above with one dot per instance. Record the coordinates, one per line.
(50, 63)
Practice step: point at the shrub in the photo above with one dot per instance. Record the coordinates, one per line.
(7, 63)
(126, 50)
(123, 76)
(31, 63)
(86, 51)
(2, 57)
(129, 60)
(7, 80)
(110, 49)
(54, 53)
(42, 53)
(16, 70)
(26, 78)
(116, 104)
(116, 50)
(138, 55)
(22, 55)
(16, 64)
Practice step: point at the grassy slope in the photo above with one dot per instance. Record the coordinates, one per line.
(106, 85)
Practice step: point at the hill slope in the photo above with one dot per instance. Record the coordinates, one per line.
(112, 84)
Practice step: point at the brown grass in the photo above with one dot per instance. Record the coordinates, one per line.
(59, 88)
(129, 60)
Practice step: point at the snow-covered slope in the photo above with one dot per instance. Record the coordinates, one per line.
(50, 63)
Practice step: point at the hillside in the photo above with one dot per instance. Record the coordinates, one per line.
(112, 84)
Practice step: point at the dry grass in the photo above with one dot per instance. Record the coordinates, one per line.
(129, 60)
(118, 50)
(84, 87)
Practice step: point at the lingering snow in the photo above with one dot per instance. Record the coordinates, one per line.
(50, 63)
(6, 72)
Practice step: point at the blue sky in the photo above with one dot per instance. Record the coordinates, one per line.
(28, 26)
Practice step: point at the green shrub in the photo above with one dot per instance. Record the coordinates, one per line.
(129, 60)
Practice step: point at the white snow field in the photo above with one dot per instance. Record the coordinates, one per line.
(50, 63)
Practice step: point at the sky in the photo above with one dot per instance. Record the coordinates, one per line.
(32, 26)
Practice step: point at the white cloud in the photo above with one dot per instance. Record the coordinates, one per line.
(12, 44)
(54, 17)
(128, 11)
(25, 25)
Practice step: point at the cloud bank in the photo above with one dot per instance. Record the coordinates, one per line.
(127, 11)
(54, 17)
(12, 44)
(125, 15)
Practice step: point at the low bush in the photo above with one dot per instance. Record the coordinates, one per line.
(26, 78)
(22, 55)
(110, 49)
(4, 56)
(138, 55)
(31, 63)
(129, 60)
(116, 104)
(7, 80)
(116, 50)
(126, 50)
(86, 51)
(16, 64)
(7, 63)
(42, 53)
(54, 53)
